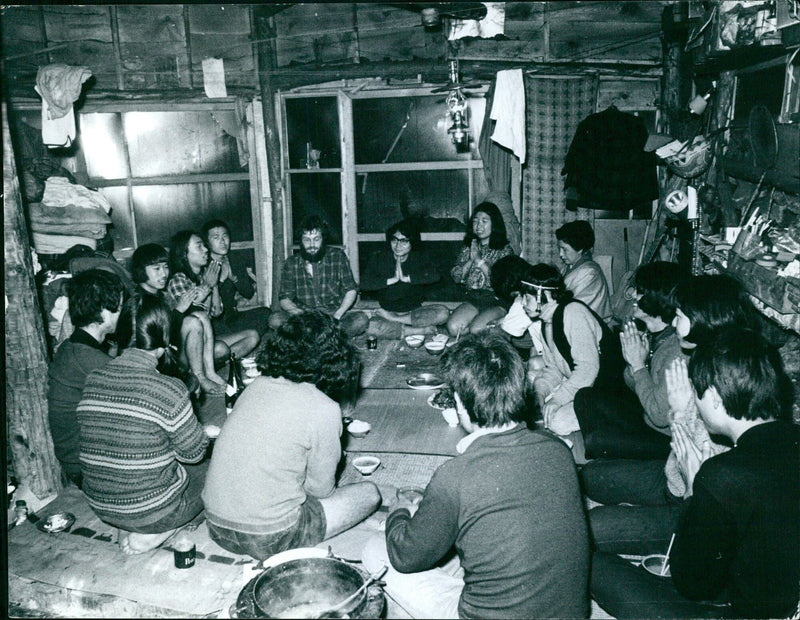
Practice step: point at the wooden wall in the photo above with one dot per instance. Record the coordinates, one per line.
(151, 47)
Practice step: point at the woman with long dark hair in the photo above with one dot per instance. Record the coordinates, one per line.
(485, 242)
(141, 445)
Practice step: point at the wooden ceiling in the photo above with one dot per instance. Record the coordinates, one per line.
(148, 47)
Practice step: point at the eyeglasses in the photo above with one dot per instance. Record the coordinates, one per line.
(401, 240)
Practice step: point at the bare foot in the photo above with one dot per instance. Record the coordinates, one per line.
(212, 376)
(133, 543)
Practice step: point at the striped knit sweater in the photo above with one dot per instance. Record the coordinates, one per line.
(135, 426)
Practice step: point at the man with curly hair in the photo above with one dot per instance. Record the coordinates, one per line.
(271, 485)
(319, 277)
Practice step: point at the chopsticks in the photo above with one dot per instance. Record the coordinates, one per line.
(665, 564)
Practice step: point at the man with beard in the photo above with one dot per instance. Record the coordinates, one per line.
(319, 278)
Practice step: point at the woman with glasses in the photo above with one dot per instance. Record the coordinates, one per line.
(398, 275)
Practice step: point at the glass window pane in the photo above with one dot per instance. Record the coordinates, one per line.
(441, 197)
(162, 143)
(100, 135)
(319, 193)
(313, 124)
(418, 124)
(122, 226)
(163, 210)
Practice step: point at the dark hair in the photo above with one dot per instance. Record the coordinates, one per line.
(498, 239)
(178, 251)
(747, 372)
(548, 275)
(506, 275)
(311, 347)
(656, 283)
(210, 225)
(90, 292)
(314, 221)
(578, 235)
(409, 228)
(713, 302)
(144, 323)
(489, 377)
(145, 256)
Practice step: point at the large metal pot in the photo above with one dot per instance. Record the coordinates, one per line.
(308, 588)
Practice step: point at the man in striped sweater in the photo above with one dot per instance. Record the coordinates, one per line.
(141, 447)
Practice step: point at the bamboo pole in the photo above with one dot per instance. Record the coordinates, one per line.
(29, 439)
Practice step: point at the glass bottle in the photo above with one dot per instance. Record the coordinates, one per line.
(20, 512)
(234, 385)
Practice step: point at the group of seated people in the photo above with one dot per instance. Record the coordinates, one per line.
(685, 414)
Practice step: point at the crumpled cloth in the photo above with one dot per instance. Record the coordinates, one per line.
(59, 192)
(58, 244)
(60, 85)
(67, 214)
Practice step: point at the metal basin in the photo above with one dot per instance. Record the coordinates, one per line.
(308, 588)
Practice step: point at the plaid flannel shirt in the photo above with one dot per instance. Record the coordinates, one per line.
(178, 285)
(332, 280)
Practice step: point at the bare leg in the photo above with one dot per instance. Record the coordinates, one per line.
(461, 318)
(241, 343)
(192, 354)
(480, 322)
(349, 505)
(209, 349)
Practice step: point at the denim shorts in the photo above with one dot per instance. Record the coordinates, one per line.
(307, 532)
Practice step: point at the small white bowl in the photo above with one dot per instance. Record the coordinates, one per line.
(359, 428)
(434, 347)
(654, 563)
(415, 341)
(366, 464)
(440, 338)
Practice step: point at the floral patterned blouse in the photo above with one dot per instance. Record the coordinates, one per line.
(475, 278)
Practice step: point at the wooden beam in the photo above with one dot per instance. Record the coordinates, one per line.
(265, 29)
(29, 439)
(112, 15)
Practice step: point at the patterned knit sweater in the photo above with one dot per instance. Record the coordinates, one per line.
(136, 425)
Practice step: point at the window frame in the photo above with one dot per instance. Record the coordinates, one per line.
(349, 170)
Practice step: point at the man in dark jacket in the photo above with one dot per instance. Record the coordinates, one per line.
(95, 301)
(736, 552)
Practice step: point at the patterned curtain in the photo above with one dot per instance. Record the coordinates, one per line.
(554, 108)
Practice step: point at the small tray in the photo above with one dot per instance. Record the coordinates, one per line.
(57, 522)
(425, 381)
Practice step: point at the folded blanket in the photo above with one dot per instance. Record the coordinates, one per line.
(58, 244)
(68, 214)
(93, 231)
(59, 192)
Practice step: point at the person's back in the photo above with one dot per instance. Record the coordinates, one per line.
(756, 486)
(522, 535)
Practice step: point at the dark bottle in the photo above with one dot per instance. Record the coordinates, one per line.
(235, 385)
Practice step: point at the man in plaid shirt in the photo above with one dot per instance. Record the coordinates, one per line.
(319, 278)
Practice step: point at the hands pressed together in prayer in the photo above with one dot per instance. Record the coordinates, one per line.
(475, 257)
(681, 394)
(635, 346)
(398, 274)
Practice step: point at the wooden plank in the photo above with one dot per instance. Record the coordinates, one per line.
(402, 421)
(489, 49)
(587, 40)
(77, 23)
(599, 11)
(141, 23)
(20, 24)
(629, 94)
(219, 19)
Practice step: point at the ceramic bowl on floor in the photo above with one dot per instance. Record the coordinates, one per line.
(359, 428)
(434, 347)
(655, 563)
(415, 341)
(366, 464)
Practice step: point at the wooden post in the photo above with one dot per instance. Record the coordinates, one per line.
(28, 429)
(265, 29)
